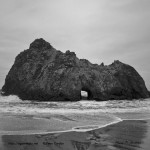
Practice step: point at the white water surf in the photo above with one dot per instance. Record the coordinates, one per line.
(17, 116)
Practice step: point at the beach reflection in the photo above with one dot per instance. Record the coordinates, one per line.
(128, 134)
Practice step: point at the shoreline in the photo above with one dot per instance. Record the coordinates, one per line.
(70, 130)
(74, 129)
(126, 133)
(26, 125)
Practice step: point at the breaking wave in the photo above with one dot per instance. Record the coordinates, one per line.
(31, 116)
(13, 104)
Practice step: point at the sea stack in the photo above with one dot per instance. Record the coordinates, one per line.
(45, 74)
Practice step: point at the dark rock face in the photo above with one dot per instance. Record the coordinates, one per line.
(46, 74)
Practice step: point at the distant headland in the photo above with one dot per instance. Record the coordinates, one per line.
(45, 74)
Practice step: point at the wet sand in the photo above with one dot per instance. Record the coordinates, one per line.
(125, 135)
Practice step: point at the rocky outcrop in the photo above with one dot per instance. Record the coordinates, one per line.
(46, 74)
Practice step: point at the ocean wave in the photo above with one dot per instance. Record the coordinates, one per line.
(11, 98)
(64, 116)
(13, 104)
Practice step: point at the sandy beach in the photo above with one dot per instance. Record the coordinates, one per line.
(125, 135)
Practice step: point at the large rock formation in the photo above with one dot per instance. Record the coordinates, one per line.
(46, 74)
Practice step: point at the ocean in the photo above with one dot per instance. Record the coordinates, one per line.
(27, 117)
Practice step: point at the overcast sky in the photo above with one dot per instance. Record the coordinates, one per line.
(98, 30)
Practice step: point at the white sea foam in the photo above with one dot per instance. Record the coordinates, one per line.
(84, 114)
(89, 128)
(11, 98)
(12, 104)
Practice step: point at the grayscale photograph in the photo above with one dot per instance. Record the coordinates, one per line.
(74, 75)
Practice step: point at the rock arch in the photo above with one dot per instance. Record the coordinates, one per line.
(88, 94)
